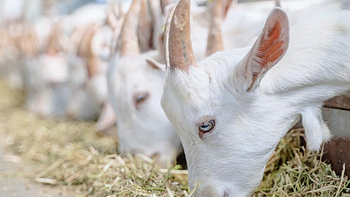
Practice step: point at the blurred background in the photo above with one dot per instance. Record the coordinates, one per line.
(54, 106)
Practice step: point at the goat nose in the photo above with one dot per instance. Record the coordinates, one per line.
(70, 115)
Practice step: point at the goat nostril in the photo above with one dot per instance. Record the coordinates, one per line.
(70, 115)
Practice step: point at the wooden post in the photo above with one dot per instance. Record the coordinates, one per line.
(336, 114)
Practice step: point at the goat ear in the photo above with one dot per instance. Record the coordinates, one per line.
(145, 28)
(154, 64)
(267, 50)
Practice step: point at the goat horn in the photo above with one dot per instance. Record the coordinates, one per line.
(154, 10)
(278, 3)
(51, 46)
(227, 5)
(166, 38)
(180, 46)
(129, 42)
(214, 43)
(145, 28)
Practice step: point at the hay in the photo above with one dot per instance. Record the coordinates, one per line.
(69, 154)
(292, 171)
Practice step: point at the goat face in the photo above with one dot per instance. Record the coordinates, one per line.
(135, 89)
(223, 119)
(81, 104)
(45, 80)
(217, 124)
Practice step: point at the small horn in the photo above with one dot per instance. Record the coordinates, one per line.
(278, 3)
(52, 47)
(227, 5)
(145, 28)
(120, 10)
(166, 38)
(112, 19)
(180, 46)
(84, 49)
(154, 6)
(129, 42)
(214, 43)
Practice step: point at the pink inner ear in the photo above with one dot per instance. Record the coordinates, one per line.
(270, 46)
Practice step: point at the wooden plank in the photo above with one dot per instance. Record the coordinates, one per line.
(337, 117)
(338, 121)
(339, 102)
(337, 153)
(337, 150)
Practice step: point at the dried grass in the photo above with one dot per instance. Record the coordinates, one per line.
(69, 154)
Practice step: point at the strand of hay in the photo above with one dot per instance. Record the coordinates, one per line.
(70, 155)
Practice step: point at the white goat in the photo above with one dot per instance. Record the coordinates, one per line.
(90, 48)
(135, 86)
(45, 78)
(10, 63)
(88, 63)
(128, 71)
(233, 108)
(245, 21)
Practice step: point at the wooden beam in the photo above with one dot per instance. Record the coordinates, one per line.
(339, 102)
(337, 153)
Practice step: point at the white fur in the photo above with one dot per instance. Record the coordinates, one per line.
(246, 20)
(89, 94)
(46, 85)
(231, 159)
(145, 129)
(11, 10)
(82, 105)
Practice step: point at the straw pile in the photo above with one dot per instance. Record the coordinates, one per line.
(69, 154)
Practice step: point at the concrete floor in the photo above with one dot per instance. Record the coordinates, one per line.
(12, 185)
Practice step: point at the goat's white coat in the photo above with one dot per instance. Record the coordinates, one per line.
(126, 73)
(246, 20)
(89, 94)
(145, 130)
(81, 103)
(46, 80)
(231, 159)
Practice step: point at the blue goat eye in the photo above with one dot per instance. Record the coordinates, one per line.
(140, 98)
(207, 126)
